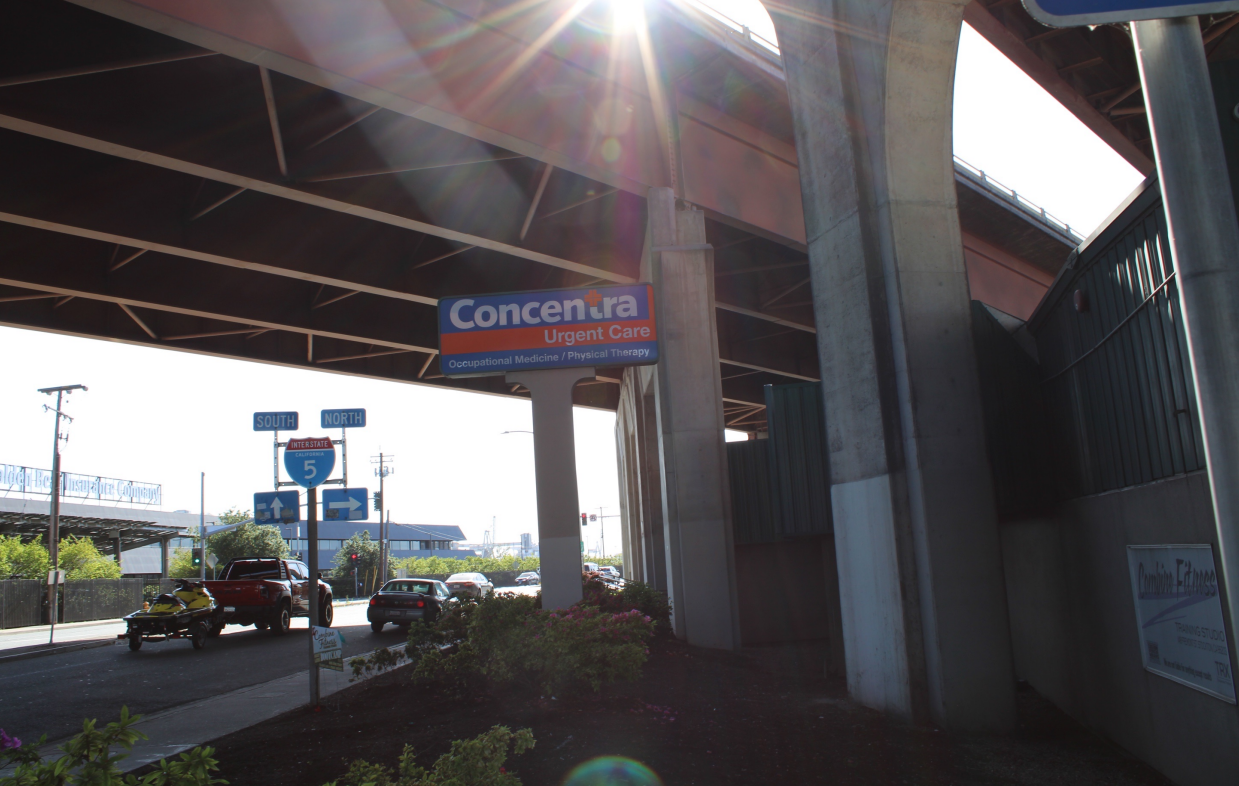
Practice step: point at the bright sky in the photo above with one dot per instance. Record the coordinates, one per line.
(164, 417)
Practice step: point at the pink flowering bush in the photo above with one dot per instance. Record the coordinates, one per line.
(510, 639)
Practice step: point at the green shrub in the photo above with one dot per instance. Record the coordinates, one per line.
(634, 595)
(475, 762)
(88, 760)
(509, 639)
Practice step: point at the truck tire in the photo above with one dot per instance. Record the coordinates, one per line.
(283, 620)
(377, 627)
(216, 628)
(260, 626)
(326, 614)
(135, 642)
(198, 635)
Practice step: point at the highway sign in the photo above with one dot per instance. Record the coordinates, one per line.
(562, 328)
(343, 418)
(277, 507)
(1075, 13)
(309, 461)
(275, 421)
(345, 504)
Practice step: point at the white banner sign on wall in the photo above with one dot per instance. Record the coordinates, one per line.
(1179, 615)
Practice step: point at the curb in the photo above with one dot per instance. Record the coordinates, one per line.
(60, 650)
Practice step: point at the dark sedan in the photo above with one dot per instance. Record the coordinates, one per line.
(403, 601)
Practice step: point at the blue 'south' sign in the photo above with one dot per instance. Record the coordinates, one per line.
(275, 421)
(1074, 13)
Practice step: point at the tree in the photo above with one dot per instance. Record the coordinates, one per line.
(181, 566)
(247, 540)
(367, 564)
(80, 559)
(23, 560)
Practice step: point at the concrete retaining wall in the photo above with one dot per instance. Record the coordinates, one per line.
(1073, 626)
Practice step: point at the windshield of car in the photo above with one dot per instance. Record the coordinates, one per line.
(422, 587)
(252, 569)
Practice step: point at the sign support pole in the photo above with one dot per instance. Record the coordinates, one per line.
(1204, 245)
(201, 529)
(554, 458)
(312, 553)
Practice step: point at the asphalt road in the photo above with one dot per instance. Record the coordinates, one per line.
(52, 695)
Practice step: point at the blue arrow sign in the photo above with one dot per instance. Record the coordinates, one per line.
(277, 507)
(309, 461)
(343, 418)
(1073, 13)
(346, 504)
(275, 421)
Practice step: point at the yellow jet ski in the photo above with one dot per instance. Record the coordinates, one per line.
(189, 612)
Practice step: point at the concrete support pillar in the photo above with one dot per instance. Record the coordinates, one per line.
(554, 458)
(163, 557)
(645, 555)
(920, 575)
(700, 554)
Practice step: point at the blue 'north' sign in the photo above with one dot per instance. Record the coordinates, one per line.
(559, 328)
(1073, 13)
(345, 504)
(343, 418)
(275, 421)
(309, 461)
(277, 507)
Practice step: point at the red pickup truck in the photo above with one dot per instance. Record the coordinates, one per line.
(267, 593)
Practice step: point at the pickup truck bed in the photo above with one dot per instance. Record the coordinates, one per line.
(268, 593)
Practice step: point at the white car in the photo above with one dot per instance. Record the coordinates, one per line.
(474, 584)
(609, 570)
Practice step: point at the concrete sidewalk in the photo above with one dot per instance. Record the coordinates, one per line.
(185, 727)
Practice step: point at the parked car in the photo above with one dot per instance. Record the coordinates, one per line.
(474, 584)
(404, 601)
(590, 567)
(268, 593)
(609, 570)
(527, 578)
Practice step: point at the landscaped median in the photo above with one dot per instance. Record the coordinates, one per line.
(502, 692)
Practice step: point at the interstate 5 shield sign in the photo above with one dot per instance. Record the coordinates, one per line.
(560, 328)
(309, 461)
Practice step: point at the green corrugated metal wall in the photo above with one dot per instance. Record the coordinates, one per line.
(779, 486)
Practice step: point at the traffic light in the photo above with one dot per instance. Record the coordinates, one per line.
(352, 558)
(584, 519)
(197, 560)
(378, 502)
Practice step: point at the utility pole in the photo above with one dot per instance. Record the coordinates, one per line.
(53, 519)
(383, 469)
(202, 528)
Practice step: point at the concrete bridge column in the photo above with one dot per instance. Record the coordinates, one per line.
(920, 574)
(696, 501)
(636, 430)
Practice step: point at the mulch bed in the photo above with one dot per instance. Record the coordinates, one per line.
(697, 717)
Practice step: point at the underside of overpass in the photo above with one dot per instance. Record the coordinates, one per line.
(161, 193)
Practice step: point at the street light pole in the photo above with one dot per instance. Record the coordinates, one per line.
(53, 518)
(383, 469)
(202, 527)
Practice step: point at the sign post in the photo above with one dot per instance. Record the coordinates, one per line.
(1202, 232)
(549, 341)
(309, 462)
(54, 578)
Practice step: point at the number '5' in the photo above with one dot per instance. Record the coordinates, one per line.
(310, 471)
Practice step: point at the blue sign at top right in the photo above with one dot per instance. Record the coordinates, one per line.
(1075, 13)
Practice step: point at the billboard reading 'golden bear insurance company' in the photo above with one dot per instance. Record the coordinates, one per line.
(560, 328)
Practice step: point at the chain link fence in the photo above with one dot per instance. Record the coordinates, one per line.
(101, 599)
(21, 602)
